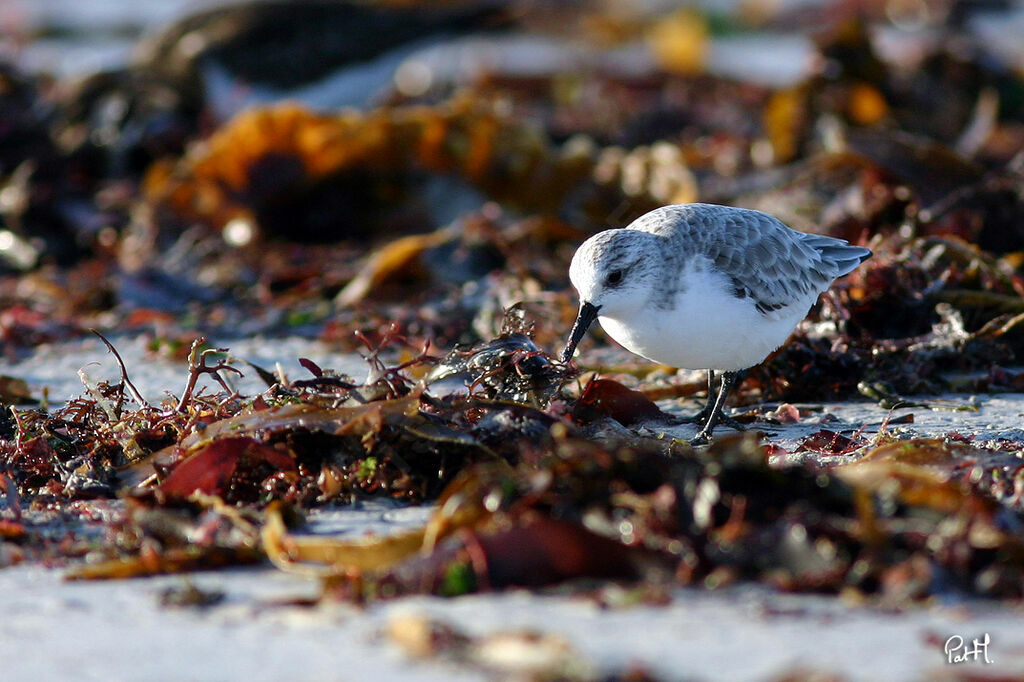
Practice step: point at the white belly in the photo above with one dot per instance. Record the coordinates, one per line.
(709, 328)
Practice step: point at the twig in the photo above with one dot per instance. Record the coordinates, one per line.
(396, 383)
(197, 366)
(129, 386)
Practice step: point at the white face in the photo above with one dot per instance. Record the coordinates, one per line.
(614, 271)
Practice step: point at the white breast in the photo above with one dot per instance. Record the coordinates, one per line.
(708, 327)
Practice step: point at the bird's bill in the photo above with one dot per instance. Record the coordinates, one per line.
(586, 316)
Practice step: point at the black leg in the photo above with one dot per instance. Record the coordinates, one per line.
(708, 408)
(729, 380)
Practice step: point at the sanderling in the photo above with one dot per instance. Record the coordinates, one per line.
(699, 286)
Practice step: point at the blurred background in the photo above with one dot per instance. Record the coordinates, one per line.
(320, 168)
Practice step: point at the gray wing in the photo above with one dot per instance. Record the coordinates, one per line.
(764, 259)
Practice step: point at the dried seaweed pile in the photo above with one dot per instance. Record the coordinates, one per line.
(532, 487)
(132, 202)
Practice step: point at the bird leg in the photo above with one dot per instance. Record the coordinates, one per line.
(705, 412)
(729, 381)
(709, 407)
(723, 418)
(701, 417)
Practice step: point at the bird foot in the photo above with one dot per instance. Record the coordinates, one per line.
(703, 436)
(701, 420)
(732, 423)
(711, 416)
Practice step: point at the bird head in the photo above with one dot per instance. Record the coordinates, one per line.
(614, 276)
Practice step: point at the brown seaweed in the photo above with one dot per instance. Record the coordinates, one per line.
(723, 513)
(403, 230)
(250, 170)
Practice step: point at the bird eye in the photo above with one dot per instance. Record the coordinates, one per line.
(614, 277)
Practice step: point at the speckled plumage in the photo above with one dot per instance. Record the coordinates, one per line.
(771, 263)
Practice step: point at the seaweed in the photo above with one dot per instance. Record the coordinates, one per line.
(898, 520)
(430, 229)
(692, 518)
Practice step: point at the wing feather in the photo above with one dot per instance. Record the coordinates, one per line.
(774, 265)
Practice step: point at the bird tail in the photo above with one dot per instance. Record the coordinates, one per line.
(838, 252)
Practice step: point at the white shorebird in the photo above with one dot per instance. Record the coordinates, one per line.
(700, 286)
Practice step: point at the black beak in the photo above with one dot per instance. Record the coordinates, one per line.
(587, 314)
